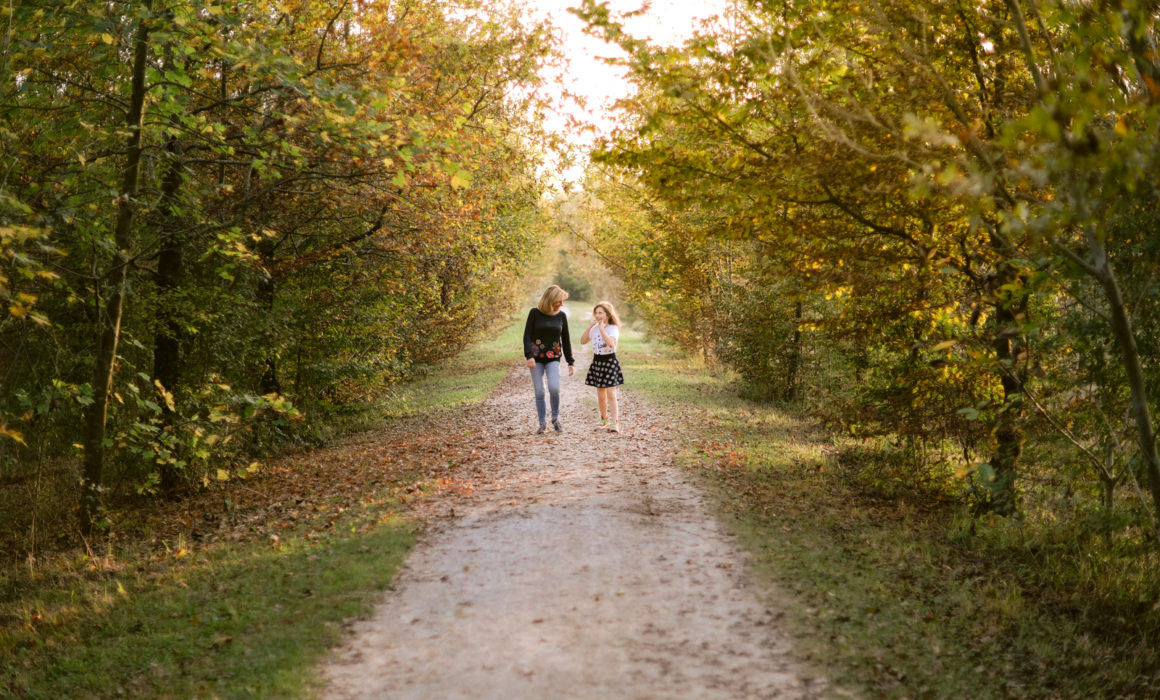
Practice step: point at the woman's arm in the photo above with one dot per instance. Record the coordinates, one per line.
(529, 347)
(567, 343)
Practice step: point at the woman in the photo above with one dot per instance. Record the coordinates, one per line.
(545, 342)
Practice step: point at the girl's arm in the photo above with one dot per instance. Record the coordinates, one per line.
(584, 337)
(609, 340)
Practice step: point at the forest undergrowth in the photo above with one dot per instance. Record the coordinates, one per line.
(236, 591)
(896, 588)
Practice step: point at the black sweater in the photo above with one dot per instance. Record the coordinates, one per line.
(546, 337)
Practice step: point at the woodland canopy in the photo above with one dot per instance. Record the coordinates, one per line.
(933, 222)
(217, 218)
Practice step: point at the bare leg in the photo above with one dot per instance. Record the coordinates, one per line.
(614, 411)
(602, 399)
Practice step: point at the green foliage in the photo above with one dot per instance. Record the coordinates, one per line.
(760, 337)
(924, 179)
(569, 276)
(663, 277)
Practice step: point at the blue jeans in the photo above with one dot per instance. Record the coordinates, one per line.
(552, 369)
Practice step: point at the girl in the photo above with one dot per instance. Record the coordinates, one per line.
(604, 373)
(545, 341)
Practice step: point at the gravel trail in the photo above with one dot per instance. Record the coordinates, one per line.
(577, 565)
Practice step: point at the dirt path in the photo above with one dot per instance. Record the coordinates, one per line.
(577, 566)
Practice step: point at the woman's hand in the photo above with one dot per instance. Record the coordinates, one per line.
(571, 371)
(531, 363)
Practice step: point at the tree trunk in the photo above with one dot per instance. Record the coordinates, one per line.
(266, 294)
(1126, 340)
(96, 414)
(1008, 432)
(170, 262)
(795, 355)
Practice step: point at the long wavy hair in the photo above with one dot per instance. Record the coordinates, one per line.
(607, 306)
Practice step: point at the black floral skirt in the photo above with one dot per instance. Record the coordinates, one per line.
(604, 372)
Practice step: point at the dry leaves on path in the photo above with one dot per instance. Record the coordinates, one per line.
(581, 564)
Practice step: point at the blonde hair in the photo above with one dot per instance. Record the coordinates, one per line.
(612, 317)
(551, 295)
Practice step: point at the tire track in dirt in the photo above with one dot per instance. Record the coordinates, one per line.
(575, 565)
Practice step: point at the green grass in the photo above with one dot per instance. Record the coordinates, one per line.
(243, 620)
(885, 591)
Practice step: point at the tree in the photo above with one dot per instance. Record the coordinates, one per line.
(310, 179)
(908, 158)
(124, 242)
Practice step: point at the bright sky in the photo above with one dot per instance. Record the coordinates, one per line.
(666, 22)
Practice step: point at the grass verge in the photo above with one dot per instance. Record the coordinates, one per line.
(894, 591)
(467, 379)
(244, 620)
